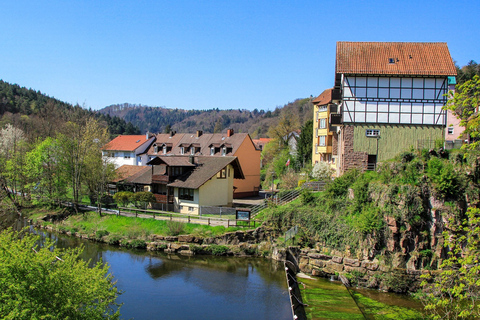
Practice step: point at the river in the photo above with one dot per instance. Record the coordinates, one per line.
(160, 286)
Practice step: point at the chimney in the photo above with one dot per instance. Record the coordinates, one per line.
(229, 132)
(147, 135)
(199, 133)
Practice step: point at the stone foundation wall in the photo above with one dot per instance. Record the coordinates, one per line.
(363, 273)
(352, 159)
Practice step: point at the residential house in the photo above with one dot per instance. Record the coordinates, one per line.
(184, 183)
(391, 98)
(261, 142)
(128, 149)
(292, 139)
(226, 144)
(325, 138)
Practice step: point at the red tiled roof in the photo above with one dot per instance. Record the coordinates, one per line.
(126, 143)
(394, 58)
(324, 98)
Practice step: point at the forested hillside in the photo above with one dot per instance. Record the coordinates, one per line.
(256, 122)
(39, 115)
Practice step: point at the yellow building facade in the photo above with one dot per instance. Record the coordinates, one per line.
(324, 136)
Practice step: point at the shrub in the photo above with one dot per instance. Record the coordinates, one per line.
(369, 219)
(137, 244)
(217, 250)
(114, 240)
(307, 197)
(100, 234)
(123, 197)
(322, 171)
(339, 186)
(143, 199)
(174, 228)
(444, 177)
(194, 248)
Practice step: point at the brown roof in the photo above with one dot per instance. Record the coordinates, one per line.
(173, 161)
(126, 143)
(133, 174)
(394, 58)
(203, 142)
(324, 98)
(207, 167)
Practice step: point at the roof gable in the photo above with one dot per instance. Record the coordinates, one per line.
(324, 98)
(394, 58)
(207, 167)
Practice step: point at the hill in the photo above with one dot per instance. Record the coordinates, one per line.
(160, 119)
(39, 115)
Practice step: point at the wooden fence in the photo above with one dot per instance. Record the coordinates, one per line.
(164, 215)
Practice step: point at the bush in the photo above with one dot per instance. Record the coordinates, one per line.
(143, 199)
(137, 244)
(339, 186)
(322, 171)
(100, 234)
(123, 197)
(174, 228)
(369, 219)
(307, 197)
(444, 177)
(217, 250)
(114, 240)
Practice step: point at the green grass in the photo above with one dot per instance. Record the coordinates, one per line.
(133, 228)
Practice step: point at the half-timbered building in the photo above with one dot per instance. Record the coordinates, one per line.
(392, 96)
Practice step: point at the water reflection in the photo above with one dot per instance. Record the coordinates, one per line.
(160, 286)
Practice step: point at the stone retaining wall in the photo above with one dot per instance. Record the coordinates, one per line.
(363, 273)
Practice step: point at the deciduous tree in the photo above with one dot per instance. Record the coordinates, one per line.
(455, 292)
(47, 283)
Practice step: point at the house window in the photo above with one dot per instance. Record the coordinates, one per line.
(222, 174)
(182, 150)
(191, 209)
(192, 151)
(450, 130)
(164, 149)
(224, 151)
(185, 194)
(126, 155)
(321, 141)
(155, 149)
(372, 133)
(322, 123)
(212, 151)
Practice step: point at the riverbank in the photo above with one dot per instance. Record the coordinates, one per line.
(157, 235)
(257, 242)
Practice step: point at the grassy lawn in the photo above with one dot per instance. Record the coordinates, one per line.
(130, 227)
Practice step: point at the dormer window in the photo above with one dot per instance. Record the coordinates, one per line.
(182, 150)
(212, 151)
(224, 151)
(155, 148)
(164, 149)
(192, 151)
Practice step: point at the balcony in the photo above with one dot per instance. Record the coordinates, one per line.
(323, 149)
(163, 198)
(160, 178)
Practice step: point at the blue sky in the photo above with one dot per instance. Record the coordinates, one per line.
(209, 54)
